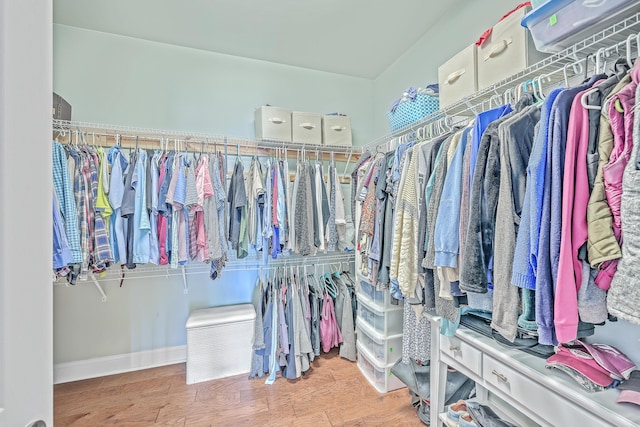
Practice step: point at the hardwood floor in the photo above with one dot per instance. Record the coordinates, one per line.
(333, 393)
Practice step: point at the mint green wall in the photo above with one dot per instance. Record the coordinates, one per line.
(418, 66)
(125, 81)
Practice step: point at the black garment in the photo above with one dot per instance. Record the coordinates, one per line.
(482, 207)
(314, 206)
(127, 208)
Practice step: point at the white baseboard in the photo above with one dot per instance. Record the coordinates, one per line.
(101, 366)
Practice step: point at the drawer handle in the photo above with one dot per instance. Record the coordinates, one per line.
(500, 376)
(451, 78)
(455, 349)
(338, 128)
(498, 49)
(307, 126)
(276, 120)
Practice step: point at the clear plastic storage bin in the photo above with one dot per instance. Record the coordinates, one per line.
(386, 323)
(379, 376)
(384, 350)
(558, 24)
(379, 299)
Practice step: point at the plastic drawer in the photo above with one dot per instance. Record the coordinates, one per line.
(558, 24)
(378, 299)
(379, 376)
(384, 322)
(384, 350)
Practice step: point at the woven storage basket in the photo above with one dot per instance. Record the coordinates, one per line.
(410, 110)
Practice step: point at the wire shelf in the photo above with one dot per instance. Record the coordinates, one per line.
(553, 68)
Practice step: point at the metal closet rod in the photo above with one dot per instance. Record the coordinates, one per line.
(191, 141)
(552, 70)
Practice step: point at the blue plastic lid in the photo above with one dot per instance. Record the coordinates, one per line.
(543, 12)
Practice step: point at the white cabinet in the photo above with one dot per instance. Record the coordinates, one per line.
(519, 385)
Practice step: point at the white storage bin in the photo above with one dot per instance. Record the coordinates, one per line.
(386, 323)
(379, 376)
(509, 50)
(219, 342)
(378, 299)
(306, 128)
(458, 77)
(336, 130)
(273, 123)
(558, 24)
(384, 350)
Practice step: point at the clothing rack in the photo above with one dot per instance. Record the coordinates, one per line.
(617, 39)
(130, 137)
(252, 264)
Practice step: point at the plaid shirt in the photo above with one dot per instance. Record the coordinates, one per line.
(66, 199)
(79, 190)
(102, 254)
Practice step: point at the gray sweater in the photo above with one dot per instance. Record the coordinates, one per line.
(623, 299)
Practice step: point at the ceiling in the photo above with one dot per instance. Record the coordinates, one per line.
(354, 37)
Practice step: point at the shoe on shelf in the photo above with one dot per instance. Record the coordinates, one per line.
(454, 411)
(484, 416)
(466, 421)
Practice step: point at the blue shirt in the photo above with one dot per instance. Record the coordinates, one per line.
(142, 227)
(447, 231)
(118, 229)
(483, 120)
(66, 200)
(62, 255)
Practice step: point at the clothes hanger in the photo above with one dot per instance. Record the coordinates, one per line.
(330, 286)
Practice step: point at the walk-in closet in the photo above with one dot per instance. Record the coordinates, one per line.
(333, 214)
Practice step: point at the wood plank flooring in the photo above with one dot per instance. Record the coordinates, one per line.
(333, 393)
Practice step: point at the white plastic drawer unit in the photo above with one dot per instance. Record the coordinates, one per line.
(219, 342)
(467, 355)
(306, 128)
(386, 323)
(378, 299)
(508, 50)
(385, 350)
(457, 77)
(336, 131)
(273, 123)
(379, 375)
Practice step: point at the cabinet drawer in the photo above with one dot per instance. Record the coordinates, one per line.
(306, 128)
(508, 51)
(457, 77)
(459, 350)
(533, 396)
(273, 123)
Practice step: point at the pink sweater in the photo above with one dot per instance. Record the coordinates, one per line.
(575, 198)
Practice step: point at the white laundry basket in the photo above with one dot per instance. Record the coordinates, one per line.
(219, 342)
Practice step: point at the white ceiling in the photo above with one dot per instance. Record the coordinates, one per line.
(353, 37)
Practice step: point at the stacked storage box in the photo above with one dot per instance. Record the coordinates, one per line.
(379, 331)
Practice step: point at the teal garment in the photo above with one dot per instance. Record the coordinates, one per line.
(142, 226)
(429, 190)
